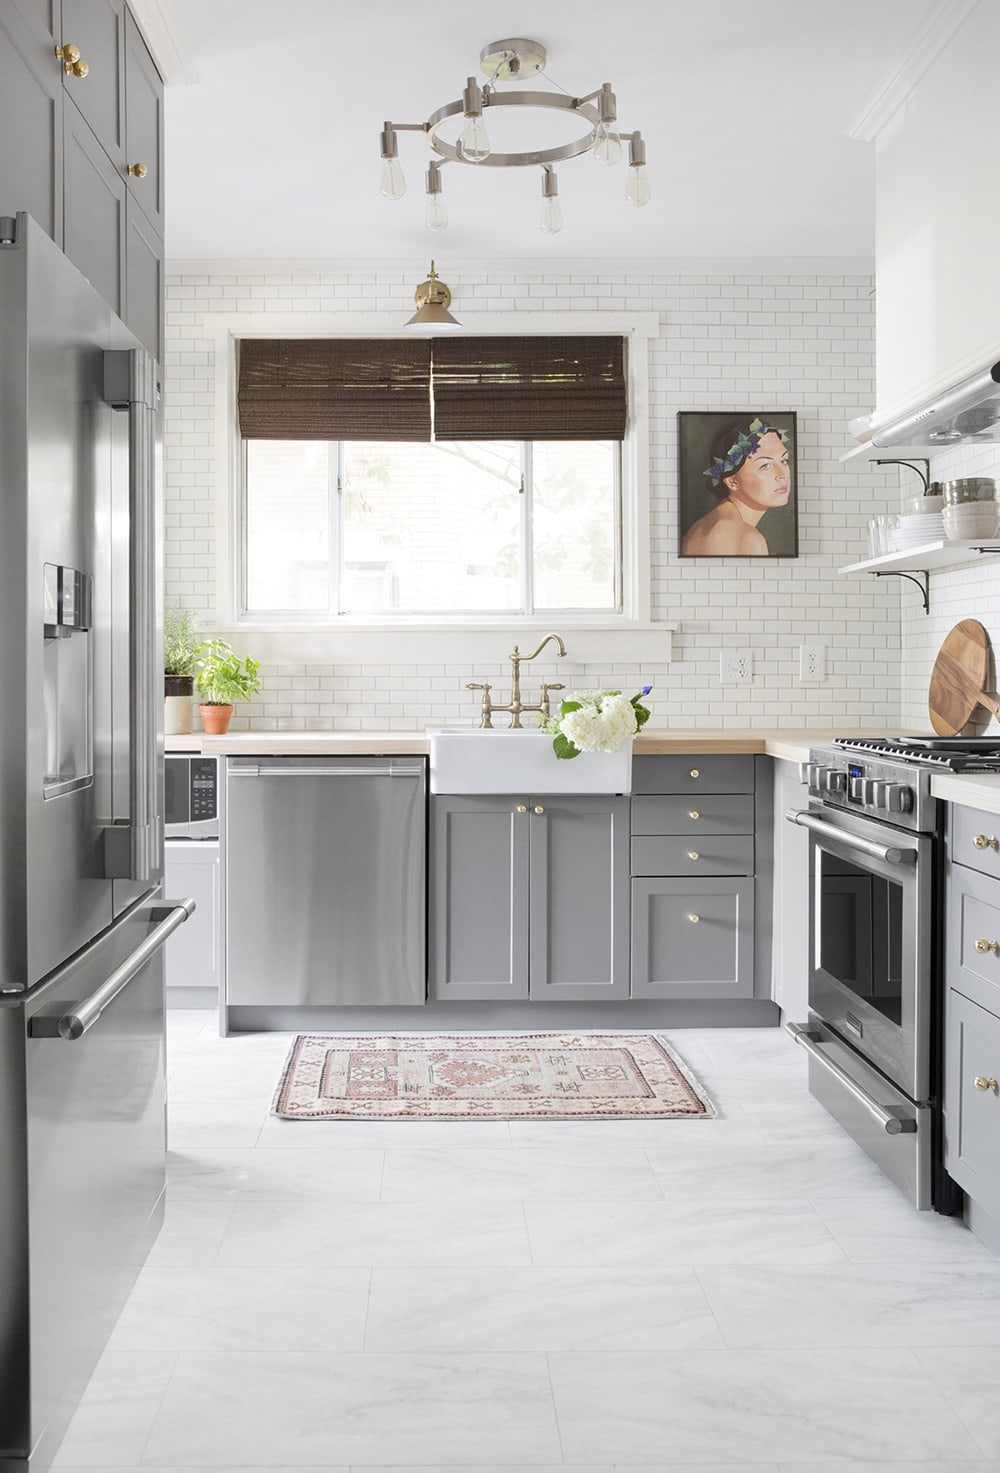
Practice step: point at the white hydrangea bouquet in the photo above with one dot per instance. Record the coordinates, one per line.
(596, 721)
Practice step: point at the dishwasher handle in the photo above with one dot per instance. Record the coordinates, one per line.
(281, 769)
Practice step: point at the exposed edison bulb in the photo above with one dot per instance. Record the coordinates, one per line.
(436, 213)
(637, 188)
(474, 140)
(392, 183)
(607, 145)
(551, 217)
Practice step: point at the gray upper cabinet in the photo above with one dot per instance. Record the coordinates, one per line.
(94, 212)
(143, 127)
(31, 108)
(97, 28)
(76, 140)
(529, 898)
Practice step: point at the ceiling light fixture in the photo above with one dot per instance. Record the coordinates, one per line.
(433, 300)
(508, 61)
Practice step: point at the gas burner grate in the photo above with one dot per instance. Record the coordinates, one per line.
(952, 754)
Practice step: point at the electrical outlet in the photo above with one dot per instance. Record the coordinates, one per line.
(812, 664)
(736, 667)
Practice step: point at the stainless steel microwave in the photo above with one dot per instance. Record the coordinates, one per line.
(191, 796)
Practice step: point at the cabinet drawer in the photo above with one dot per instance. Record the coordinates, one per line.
(975, 839)
(723, 854)
(733, 774)
(972, 1112)
(712, 813)
(973, 936)
(692, 938)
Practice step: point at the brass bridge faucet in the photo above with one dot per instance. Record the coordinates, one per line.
(515, 705)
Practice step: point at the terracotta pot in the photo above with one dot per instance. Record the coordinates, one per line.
(215, 719)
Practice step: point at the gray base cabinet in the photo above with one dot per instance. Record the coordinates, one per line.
(696, 851)
(692, 938)
(193, 955)
(972, 1019)
(529, 898)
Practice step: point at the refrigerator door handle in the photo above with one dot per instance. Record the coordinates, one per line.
(75, 1024)
(132, 849)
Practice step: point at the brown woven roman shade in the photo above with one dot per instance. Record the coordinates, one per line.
(535, 388)
(530, 388)
(335, 389)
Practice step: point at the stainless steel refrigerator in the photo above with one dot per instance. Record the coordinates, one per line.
(82, 921)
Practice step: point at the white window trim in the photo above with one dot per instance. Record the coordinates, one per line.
(435, 639)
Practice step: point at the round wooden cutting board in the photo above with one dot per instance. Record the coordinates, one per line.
(958, 678)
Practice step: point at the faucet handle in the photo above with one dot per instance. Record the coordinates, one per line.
(487, 706)
(545, 696)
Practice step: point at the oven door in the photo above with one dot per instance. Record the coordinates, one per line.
(871, 933)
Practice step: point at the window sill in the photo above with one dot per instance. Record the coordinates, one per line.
(423, 644)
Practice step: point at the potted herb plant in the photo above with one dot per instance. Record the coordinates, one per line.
(181, 646)
(222, 679)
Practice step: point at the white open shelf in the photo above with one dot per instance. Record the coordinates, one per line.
(928, 555)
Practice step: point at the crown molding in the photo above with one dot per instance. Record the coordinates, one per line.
(158, 24)
(896, 85)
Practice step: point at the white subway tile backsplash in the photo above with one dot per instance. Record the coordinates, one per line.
(728, 340)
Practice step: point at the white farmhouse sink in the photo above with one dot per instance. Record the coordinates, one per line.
(520, 762)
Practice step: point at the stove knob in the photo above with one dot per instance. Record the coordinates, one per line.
(856, 790)
(899, 798)
(880, 794)
(868, 787)
(833, 781)
(809, 774)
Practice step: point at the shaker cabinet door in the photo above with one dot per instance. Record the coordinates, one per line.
(972, 1101)
(478, 899)
(143, 280)
(94, 205)
(692, 938)
(143, 127)
(31, 104)
(97, 28)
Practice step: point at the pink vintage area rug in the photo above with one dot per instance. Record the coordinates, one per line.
(494, 1076)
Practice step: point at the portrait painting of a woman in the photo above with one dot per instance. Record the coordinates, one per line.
(737, 495)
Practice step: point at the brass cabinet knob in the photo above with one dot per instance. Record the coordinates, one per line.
(138, 171)
(694, 772)
(522, 808)
(692, 854)
(981, 1082)
(693, 918)
(70, 57)
(693, 813)
(983, 945)
(539, 809)
(982, 842)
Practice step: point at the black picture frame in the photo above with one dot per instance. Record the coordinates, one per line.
(719, 515)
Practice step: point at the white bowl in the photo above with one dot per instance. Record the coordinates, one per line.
(971, 519)
(922, 505)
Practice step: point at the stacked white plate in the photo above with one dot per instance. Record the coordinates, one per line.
(914, 529)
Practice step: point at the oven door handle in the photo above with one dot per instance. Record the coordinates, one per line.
(888, 853)
(891, 1124)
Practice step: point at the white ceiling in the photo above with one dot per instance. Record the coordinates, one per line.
(273, 150)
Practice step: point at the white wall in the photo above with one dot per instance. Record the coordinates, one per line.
(730, 337)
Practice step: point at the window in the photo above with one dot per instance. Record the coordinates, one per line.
(356, 527)
(494, 486)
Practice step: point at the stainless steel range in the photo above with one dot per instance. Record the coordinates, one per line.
(875, 989)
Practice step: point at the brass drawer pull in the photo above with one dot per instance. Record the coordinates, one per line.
(73, 64)
(983, 945)
(539, 809)
(693, 854)
(138, 171)
(982, 842)
(981, 1082)
(694, 772)
(522, 808)
(693, 813)
(693, 918)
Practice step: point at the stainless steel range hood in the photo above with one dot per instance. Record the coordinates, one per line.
(969, 413)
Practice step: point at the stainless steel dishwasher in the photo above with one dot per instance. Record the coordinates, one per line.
(325, 863)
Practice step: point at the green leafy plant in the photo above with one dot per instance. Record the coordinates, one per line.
(181, 642)
(221, 677)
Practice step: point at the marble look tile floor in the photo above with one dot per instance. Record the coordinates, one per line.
(741, 1295)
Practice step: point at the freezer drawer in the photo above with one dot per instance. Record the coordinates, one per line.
(325, 881)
